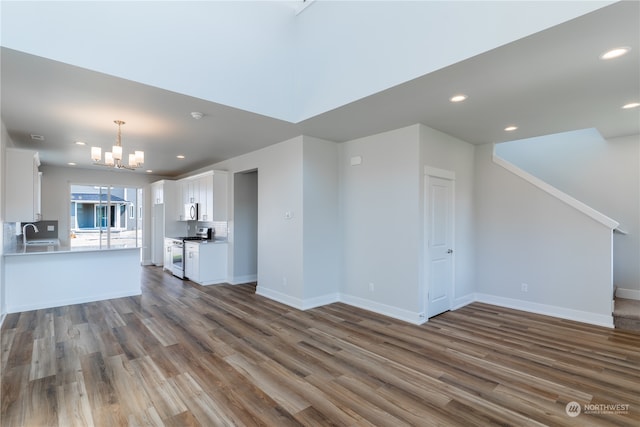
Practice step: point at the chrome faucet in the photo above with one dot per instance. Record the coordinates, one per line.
(24, 233)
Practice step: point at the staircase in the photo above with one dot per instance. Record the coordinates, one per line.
(626, 314)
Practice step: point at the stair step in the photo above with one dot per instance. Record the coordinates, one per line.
(626, 314)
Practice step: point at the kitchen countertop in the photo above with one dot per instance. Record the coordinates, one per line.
(19, 249)
(202, 242)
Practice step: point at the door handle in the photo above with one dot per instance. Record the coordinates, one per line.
(450, 251)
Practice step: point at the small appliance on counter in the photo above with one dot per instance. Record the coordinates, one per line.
(202, 233)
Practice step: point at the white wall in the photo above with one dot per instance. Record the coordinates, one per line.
(604, 174)
(280, 181)
(321, 228)
(381, 223)
(525, 235)
(56, 183)
(297, 220)
(443, 151)
(382, 218)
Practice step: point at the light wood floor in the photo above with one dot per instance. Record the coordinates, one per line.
(185, 355)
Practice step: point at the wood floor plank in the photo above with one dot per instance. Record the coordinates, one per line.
(15, 400)
(187, 355)
(74, 409)
(43, 408)
(43, 358)
(203, 408)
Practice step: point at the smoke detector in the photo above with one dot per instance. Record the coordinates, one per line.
(197, 115)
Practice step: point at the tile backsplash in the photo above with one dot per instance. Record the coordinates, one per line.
(47, 230)
(220, 228)
(9, 236)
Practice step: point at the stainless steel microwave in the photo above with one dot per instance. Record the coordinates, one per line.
(191, 212)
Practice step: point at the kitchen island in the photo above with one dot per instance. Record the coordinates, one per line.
(52, 276)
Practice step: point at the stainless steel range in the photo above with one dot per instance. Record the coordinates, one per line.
(177, 249)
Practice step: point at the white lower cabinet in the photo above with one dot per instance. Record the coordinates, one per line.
(167, 254)
(205, 263)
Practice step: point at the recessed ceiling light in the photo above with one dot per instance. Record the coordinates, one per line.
(180, 156)
(37, 137)
(80, 143)
(458, 98)
(615, 53)
(510, 128)
(197, 115)
(631, 105)
(148, 171)
(71, 164)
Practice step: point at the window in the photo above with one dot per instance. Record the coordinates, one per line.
(104, 217)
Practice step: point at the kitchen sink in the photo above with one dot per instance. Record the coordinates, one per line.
(54, 242)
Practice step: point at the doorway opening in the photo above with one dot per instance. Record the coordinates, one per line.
(245, 228)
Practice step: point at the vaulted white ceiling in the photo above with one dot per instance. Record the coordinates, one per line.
(338, 70)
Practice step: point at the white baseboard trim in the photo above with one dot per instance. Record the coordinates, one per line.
(321, 300)
(146, 262)
(417, 318)
(212, 282)
(548, 310)
(384, 309)
(61, 303)
(295, 302)
(241, 280)
(628, 293)
(462, 301)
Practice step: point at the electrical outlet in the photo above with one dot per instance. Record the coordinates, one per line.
(524, 287)
(371, 287)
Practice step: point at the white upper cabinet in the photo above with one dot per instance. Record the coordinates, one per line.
(22, 186)
(209, 190)
(157, 192)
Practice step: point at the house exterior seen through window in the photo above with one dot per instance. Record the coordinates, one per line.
(105, 217)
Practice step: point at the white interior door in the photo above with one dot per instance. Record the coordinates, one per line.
(439, 259)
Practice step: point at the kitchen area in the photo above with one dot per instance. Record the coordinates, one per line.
(40, 268)
(190, 227)
(185, 232)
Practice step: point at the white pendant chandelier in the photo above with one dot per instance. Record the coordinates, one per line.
(113, 158)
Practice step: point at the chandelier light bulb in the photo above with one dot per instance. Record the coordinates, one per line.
(139, 157)
(108, 158)
(117, 152)
(96, 154)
